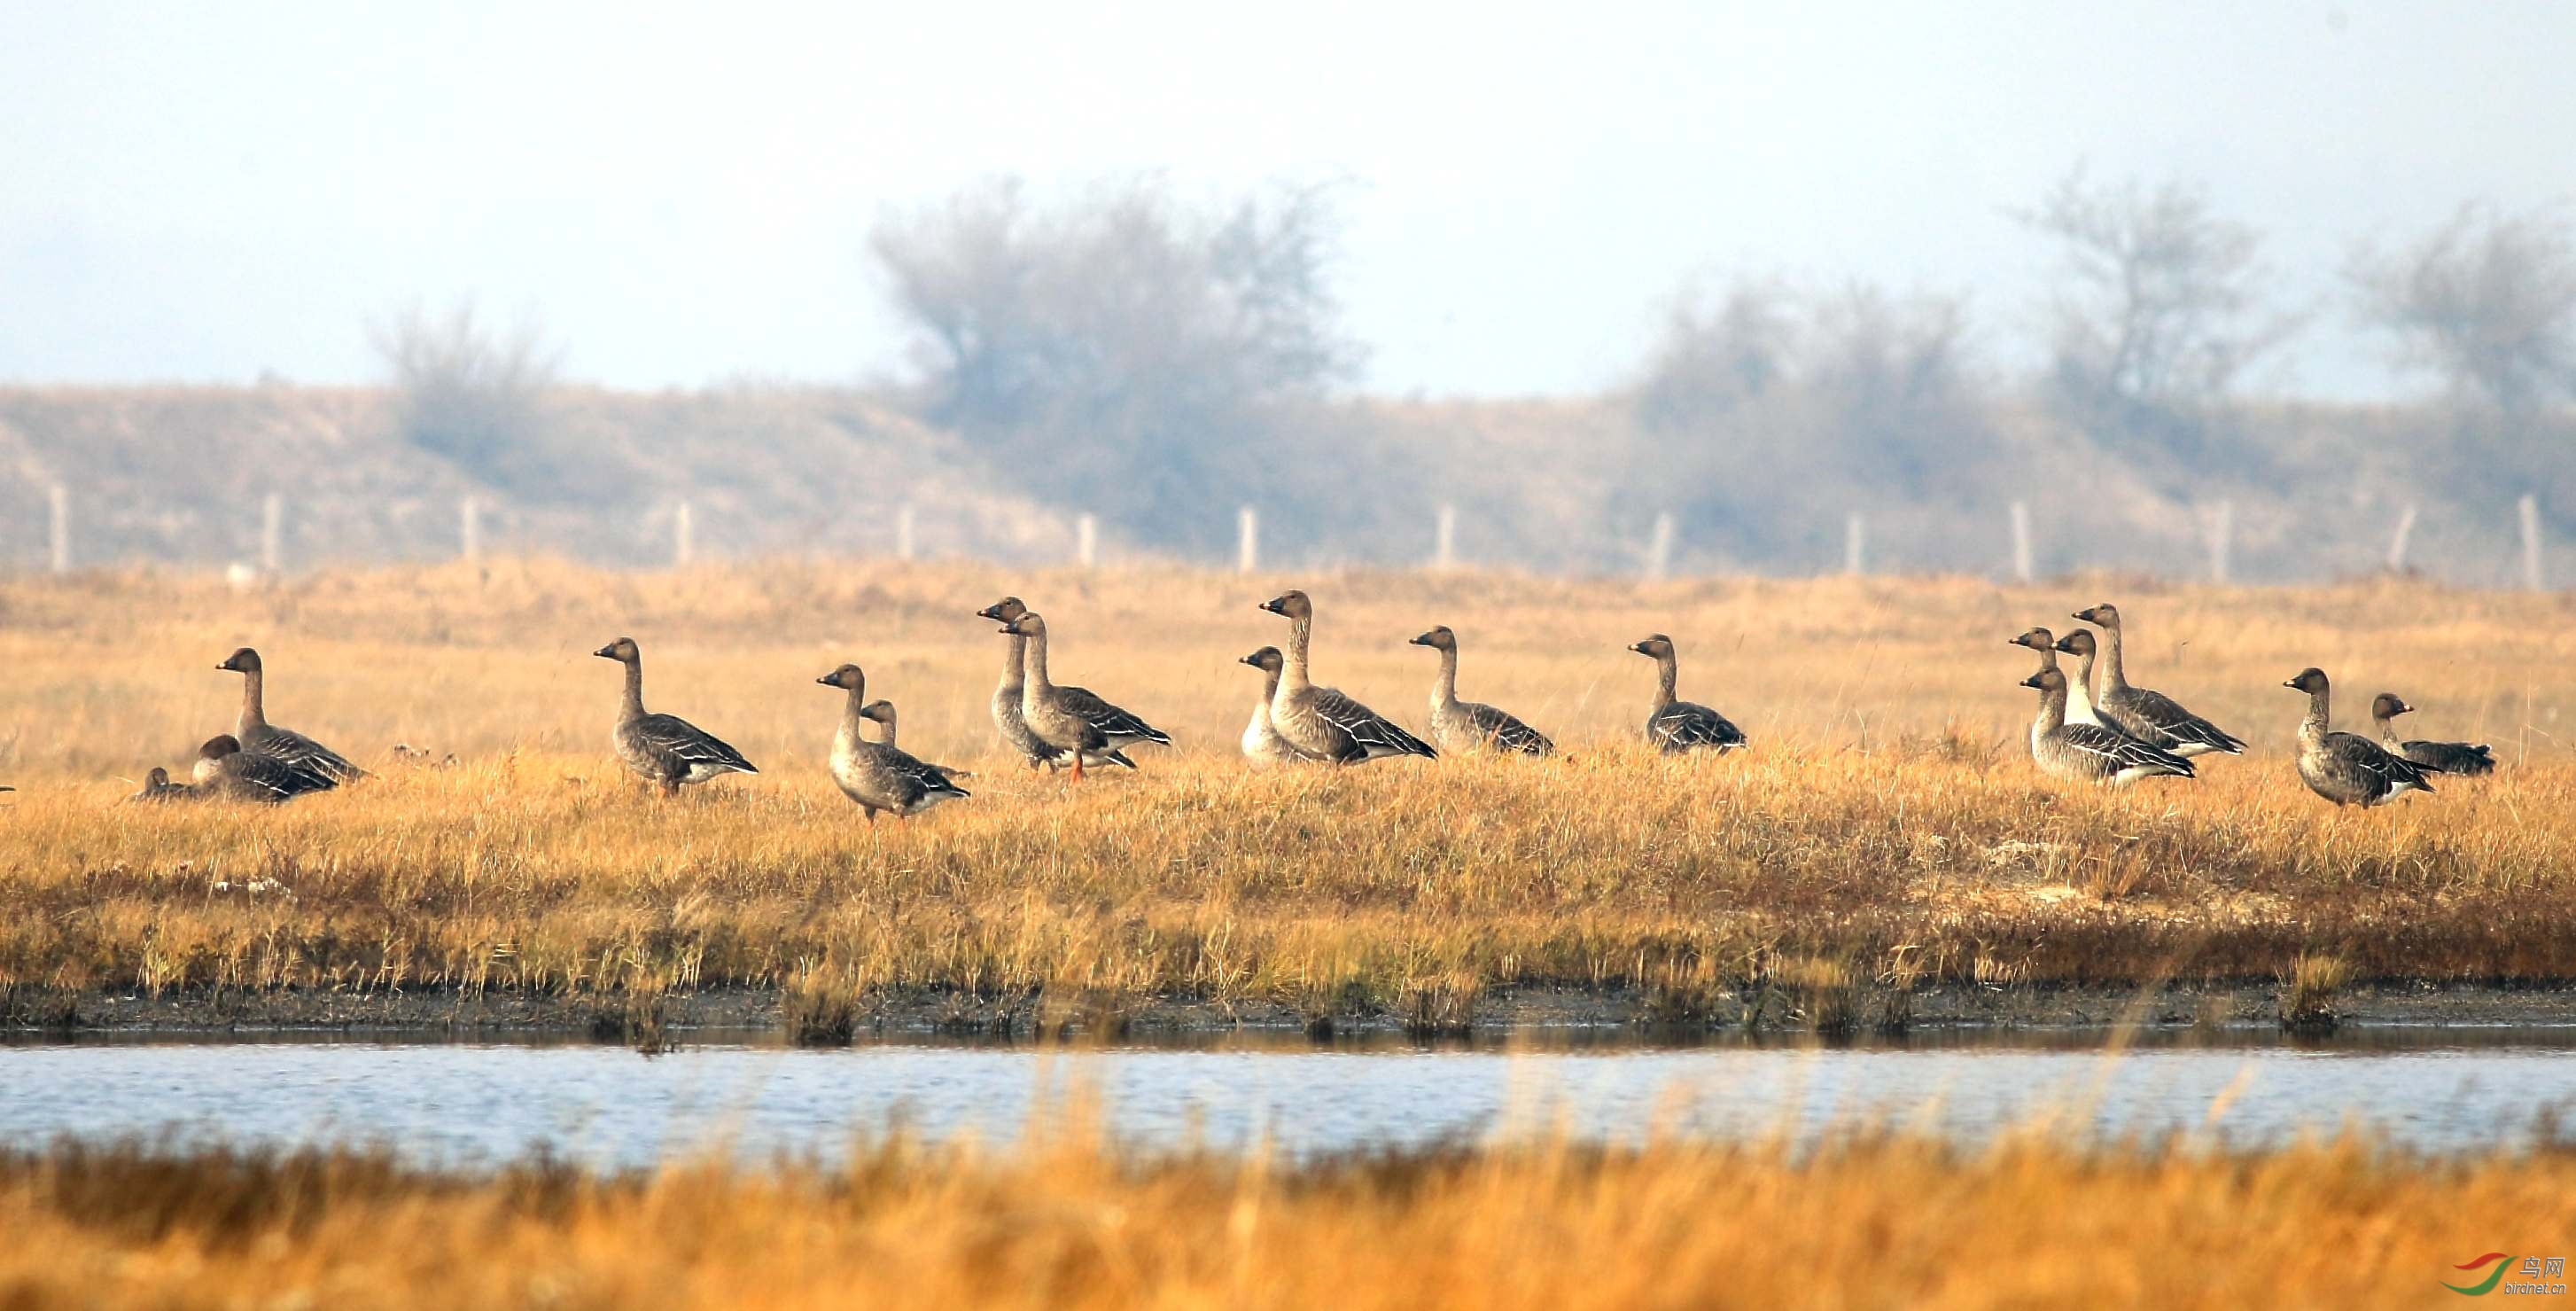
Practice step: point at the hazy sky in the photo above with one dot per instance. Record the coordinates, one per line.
(200, 192)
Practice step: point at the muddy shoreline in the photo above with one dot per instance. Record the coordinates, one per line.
(463, 1015)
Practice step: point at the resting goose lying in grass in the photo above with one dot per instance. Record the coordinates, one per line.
(318, 763)
(1675, 725)
(2441, 757)
(225, 771)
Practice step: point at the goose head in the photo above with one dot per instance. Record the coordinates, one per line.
(2106, 615)
(2389, 705)
(2037, 639)
(2046, 679)
(880, 710)
(1028, 623)
(623, 651)
(219, 746)
(1004, 610)
(1656, 647)
(243, 661)
(847, 678)
(2310, 680)
(1438, 639)
(1290, 604)
(1266, 659)
(2078, 643)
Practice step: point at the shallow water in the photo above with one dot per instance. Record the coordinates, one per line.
(2445, 1089)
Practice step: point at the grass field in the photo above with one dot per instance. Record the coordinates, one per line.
(1885, 830)
(1056, 1221)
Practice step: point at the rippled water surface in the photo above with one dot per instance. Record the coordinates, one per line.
(2446, 1089)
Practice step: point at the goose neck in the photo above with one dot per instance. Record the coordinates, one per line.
(1668, 675)
(2052, 711)
(633, 703)
(1444, 685)
(254, 713)
(853, 724)
(1015, 662)
(1036, 659)
(2112, 674)
(1293, 672)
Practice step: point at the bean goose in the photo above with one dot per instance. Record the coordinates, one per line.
(1074, 719)
(2347, 768)
(2150, 717)
(665, 750)
(2089, 752)
(879, 775)
(1675, 725)
(1320, 721)
(2440, 757)
(1007, 695)
(225, 771)
(158, 788)
(1464, 726)
(882, 711)
(2079, 685)
(1262, 744)
(326, 767)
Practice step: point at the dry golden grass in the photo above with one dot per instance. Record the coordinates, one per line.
(1056, 1222)
(1886, 826)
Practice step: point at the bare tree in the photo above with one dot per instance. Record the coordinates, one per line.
(471, 395)
(2487, 300)
(2160, 309)
(1717, 353)
(1124, 348)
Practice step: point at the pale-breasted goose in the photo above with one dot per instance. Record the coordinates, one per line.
(1007, 695)
(2150, 717)
(1074, 719)
(2440, 757)
(1675, 725)
(2089, 752)
(1459, 726)
(158, 788)
(1321, 721)
(1262, 744)
(882, 711)
(2347, 768)
(224, 770)
(2079, 685)
(879, 775)
(665, 750)
(326, 767)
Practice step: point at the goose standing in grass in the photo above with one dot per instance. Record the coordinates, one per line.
(226, 771)
(2440, 757)
(1459, 726)
(1016, 735)
(1262, 744)
(665, 750)
(1320, 721)
(882, 711)
(879, 775)
(2090, 753)
(1674, 725)
(2150, 717)
(1074, 720)
(324, 766)
(158, 788)
(2347, 768)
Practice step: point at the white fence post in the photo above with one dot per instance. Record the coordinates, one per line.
(906, 531)
(2530, 508)
(1086, 540)
(2397, 543)
(1659, 551)
(58, 502)
(1247, 540)
(2021, 541)
(684, 535)
(469, 529)
(1444, 549)
(272, 534)
(1855, 543)
(2222, 535)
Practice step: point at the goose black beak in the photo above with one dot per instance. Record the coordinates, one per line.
(2290, 683)
(1272, 606)
(2032, 681)
(1638, 647)
(2061, 645)
(989, 612)
(826, 680)
(1424, 640)
(1248, 660)
(608, 652)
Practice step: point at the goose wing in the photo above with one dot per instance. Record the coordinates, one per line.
(2451, 757)
(271, 779)
(1689, 726)
(2359, 758)
(676, 739)
(1108, 720)
(2119, 753)
(1374, 734)
(933, 780)
(327, 768)
(2167, 717)
(1506, 732)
